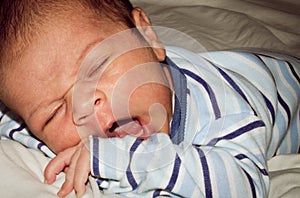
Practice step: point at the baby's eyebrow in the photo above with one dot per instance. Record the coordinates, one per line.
(97, 66)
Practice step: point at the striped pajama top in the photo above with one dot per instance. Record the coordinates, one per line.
(233, 111)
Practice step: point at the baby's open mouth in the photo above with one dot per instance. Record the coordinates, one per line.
(130, 126)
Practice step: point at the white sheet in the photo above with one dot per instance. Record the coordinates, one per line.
(21, 171)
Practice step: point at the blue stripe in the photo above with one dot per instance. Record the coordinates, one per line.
(99, 182)
(95, 156)
(288, 75)
(238, 132)
(40, 145)
(268, 103)
(156, 193)
(235, 87)
(208, 90)
(206, 175)
(129, 174)
(293, 72)
(251, 184)
(286, 107)
(181, 91)
(174, 176)
(20, 128)
(177, 135)
(233, 84)
(270, 107)
(242, 156)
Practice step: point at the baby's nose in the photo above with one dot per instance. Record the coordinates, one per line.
(82, 113)
(83, 101)
(85, 118)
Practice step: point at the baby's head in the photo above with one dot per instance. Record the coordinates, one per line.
(22, 21)
(46, 46)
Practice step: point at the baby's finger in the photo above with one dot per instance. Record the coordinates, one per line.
(66, 188)
(57, 165)
(68, 185)
(82, 171)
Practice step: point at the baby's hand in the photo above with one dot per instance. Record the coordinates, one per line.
(75, 162)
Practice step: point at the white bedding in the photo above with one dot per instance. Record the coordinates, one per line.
(225, 24)
(284, 174)
(215, 24)
(21, 171)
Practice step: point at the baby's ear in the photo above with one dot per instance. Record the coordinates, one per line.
(143, 24)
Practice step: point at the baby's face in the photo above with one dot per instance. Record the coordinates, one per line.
(72, 82)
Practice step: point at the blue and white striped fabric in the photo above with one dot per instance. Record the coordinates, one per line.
(233, 111)
(238, 110)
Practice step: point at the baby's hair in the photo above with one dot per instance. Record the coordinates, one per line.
(20, 20)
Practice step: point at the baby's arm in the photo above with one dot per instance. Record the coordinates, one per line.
(231, 164)
(156, 166)
(75, 161)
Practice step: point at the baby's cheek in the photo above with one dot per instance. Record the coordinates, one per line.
(63, 138)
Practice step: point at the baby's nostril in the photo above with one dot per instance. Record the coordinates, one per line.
(97, 102)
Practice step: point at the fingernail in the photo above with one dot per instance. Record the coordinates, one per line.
(46, 181)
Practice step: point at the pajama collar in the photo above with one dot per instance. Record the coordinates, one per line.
(180, 106)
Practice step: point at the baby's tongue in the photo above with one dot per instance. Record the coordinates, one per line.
(131, 128)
